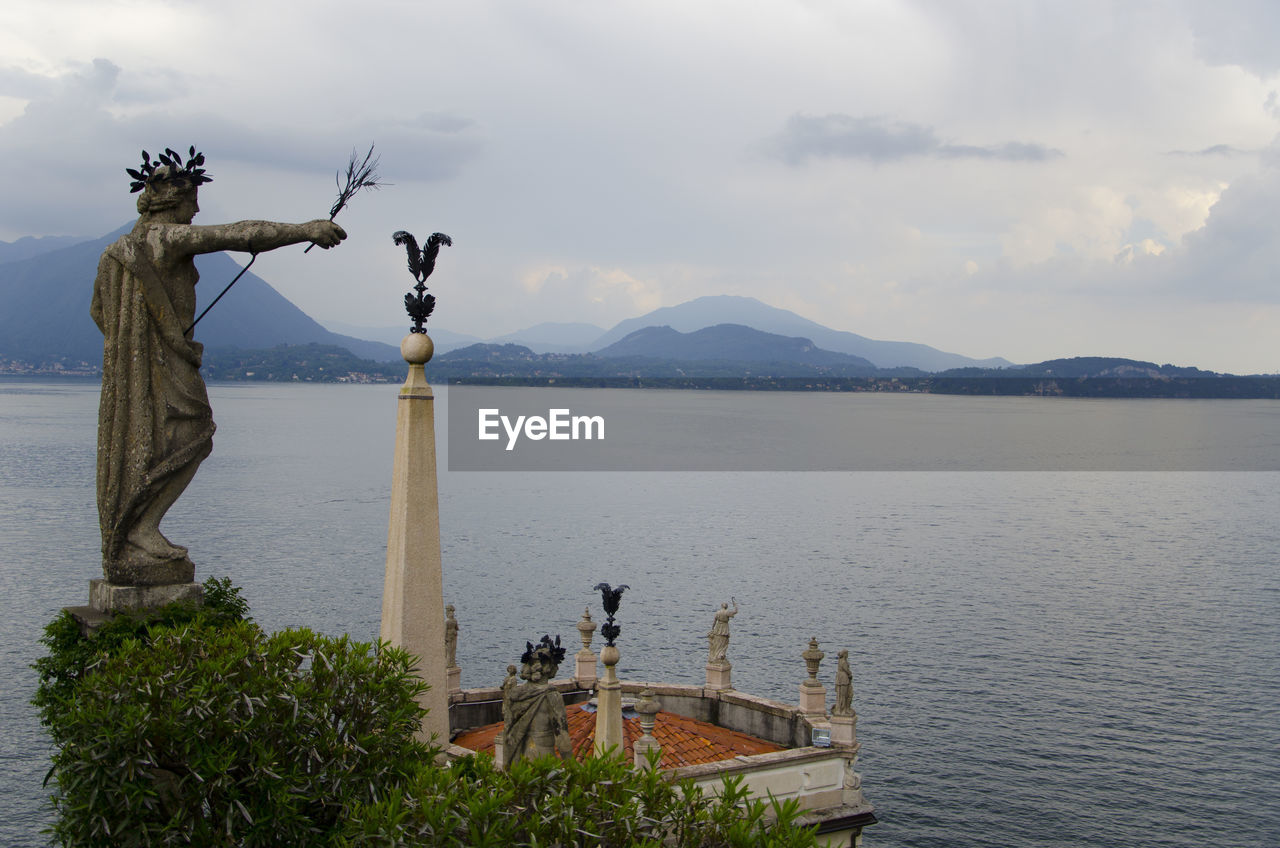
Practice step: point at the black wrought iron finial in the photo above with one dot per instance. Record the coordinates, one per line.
(611, 598)
(421, 263)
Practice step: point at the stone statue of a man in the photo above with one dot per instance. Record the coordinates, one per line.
(155, 425)
(535, 720)
(718, 637)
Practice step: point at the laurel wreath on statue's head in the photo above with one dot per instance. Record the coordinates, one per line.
(176, 173)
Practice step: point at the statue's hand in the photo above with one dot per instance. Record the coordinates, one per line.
(325, 233)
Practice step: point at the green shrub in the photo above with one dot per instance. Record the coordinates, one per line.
(72, 654)
(210, 732)
(597, 802)
(190, 726)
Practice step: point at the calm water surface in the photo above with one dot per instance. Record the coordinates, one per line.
(1040, 659)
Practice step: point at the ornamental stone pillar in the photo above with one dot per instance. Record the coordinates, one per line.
(648, 709)
(813, 695)
(585, 660)
(413, 594)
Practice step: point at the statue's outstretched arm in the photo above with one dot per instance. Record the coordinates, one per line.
(250, 236)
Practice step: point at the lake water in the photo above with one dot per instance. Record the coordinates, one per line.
(1051, 658)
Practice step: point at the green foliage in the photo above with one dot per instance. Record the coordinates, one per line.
(72, 654)
(598, 802)
(195, 727)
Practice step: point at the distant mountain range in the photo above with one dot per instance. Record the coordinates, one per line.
(749, 312)
(772, 365)
(719, 342)
(28, 246)
(732, 342)
(44, 309)
(695, 315)
(725, 350)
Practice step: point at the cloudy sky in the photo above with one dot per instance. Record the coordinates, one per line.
(1024, 179)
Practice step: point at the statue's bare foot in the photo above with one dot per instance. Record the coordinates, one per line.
(154, 544)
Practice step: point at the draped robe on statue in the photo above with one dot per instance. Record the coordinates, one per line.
(155, 422)
(537, 725)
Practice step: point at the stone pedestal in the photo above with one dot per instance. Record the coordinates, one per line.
(718, 674)
(844, 730)
(139, 569)
(113, 597)
(609, 706)
(499, 752)
(813, 695)
(813, 699)
(647, 708)
(412, 594)
(454, 675)
(584, 669)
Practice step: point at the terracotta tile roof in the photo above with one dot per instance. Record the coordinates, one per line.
(684, 741)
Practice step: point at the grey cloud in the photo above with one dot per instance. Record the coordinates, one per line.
(1235, 254)
(879, 140)
(844, 136)
(1232, 258)
(15, 82)
(67, 136)
(98, 77)
(1013, 151)
(156, 86)
(409, 149)
(1213, 150)
(1241, 33)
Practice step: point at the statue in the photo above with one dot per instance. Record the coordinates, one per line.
(719, 635)
(536, 722)
(844, 686)
(508, 686)
(450, 637)
(155, 425)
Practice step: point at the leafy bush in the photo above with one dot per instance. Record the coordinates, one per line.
(189, 725)
(72, 654)
(597, 802)
(210, 732)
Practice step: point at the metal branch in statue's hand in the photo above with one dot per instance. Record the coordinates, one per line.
(361, 173)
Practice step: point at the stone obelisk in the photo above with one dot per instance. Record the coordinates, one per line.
(609, 735)
(413, 594)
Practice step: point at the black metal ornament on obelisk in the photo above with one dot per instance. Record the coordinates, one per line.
(421, 263)
(612, 598)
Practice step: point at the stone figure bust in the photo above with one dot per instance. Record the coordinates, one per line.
(718, 637)
(844, 686)
(450, 637)
(155, 425)
(536, 724)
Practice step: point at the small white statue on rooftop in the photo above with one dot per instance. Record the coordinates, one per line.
(718, 637)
